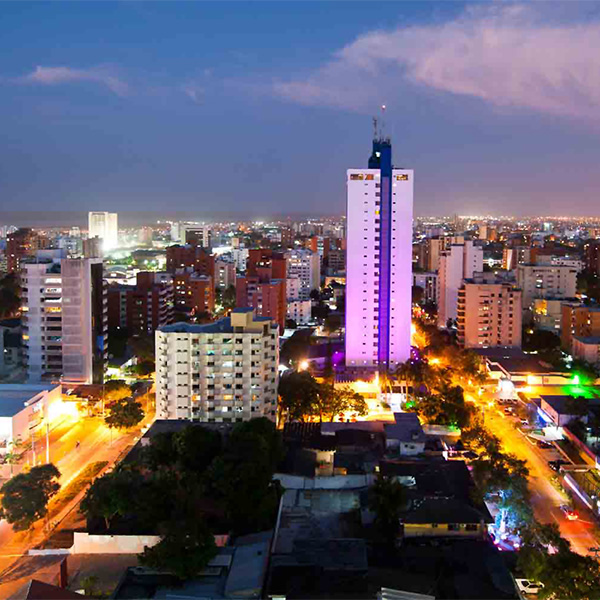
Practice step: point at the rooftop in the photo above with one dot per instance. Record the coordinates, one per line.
(407, 428)
(220, 326)
(13, 396)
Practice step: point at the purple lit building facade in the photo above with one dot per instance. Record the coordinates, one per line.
(379, 261)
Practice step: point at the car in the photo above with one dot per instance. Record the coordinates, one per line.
(508, 411)
(555, 465)
(524, 421)
(544, 445)
(528, 586)
(572, 515)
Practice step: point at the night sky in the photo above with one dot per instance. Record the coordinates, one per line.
(258, 108)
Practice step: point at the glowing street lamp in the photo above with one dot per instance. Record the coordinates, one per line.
(303, 365)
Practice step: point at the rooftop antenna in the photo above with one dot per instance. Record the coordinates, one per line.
(375, 136)
(383, 107)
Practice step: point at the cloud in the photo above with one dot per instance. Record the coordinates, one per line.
(58, 75)
(507, 56)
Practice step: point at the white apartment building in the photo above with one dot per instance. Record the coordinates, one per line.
(546, 281)
(224, 273)
(489, 314)
(65, 320)
(225, 371)
(379, 261)
(105, 226)
(458, 262)
(306, 266)
(299, 311)
(429, 282)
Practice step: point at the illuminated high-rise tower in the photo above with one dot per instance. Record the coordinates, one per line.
(379, 261)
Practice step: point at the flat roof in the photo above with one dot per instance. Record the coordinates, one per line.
(14, 396)
(220, 326)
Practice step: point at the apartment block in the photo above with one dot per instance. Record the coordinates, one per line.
(546, 281)
(225, 371)
(21, 244)
(142, 308)
(578, 320)
(224, 273)
(266, 264)
(104, 225)
(299, 311)
(65, 320)
(489, 314)
(190, 258)
(591, 254)
(267, 298)
(458, 262)
(193, 293)
(428, 281)
(379, 261)
(305, 265)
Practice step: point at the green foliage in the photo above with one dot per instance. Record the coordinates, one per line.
(185, 549)
(386, 499)
(296, 347)
(15, 454)
(266, 429)
(161, 452)
(229, 299)
(25, 497)
(76, 486)
(298, 393)
(145, 367)
(336, 400)
(142, 346)
(546, 557)
(196, 447)
(446, 408)
(333, 323)
(116, 389)
(111, 495)
(241, 478)
(124, 413)
(10, 296)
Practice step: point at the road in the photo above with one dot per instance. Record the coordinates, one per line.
(583, 533)
(97, 443)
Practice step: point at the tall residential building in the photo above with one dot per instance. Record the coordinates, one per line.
(194, 293)
(267, 298)
(65, 320)
(578, 321)
(196, 234)
(591, 253)
(304, 265)
(457, 262)
(489, 314)
(225, 371)
(144, 307)
(429, 283)
(192, 258)
(105, 226)
(92, 248)
(545, 281)
(224, 273)
(266, 264)
(20, 244)
(379, 261)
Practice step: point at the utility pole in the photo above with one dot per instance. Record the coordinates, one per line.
(47, 442)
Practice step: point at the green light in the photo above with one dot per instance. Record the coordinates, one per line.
(575, 380)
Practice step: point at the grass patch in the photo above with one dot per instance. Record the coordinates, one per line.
(76, 486)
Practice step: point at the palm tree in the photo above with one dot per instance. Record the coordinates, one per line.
(386, 499)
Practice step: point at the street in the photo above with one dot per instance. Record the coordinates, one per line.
(96, 443)
(583, 533)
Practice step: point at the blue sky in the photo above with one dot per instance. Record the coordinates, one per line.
(258, 108)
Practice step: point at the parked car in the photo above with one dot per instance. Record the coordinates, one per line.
(555, 465)
(527, 586)
(524, 422)
(544, 445)
(572, 515)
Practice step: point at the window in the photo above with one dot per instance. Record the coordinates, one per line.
(356, 177)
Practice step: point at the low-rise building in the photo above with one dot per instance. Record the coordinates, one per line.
(220, 372)
(578, 320)
(586, 349)
(299, 311)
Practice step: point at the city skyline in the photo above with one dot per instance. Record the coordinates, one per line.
(105, 116)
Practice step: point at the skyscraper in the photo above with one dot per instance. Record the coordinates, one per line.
(379, 261)
(105, 226)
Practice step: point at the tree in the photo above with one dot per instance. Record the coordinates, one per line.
(299, 393)
(144, 368)
(25, 497)
(296, 347)
(386, 499)
(196, 447)
(142, 346)
(15, 454)
(116, 389)
(124, 413)
(446, 408)
(10, 296)
(229, 298)
(547, 557)
(333, 323)
(111, 495)
(334, 401)
(185, 549)
(266, 429)
(161, 451)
